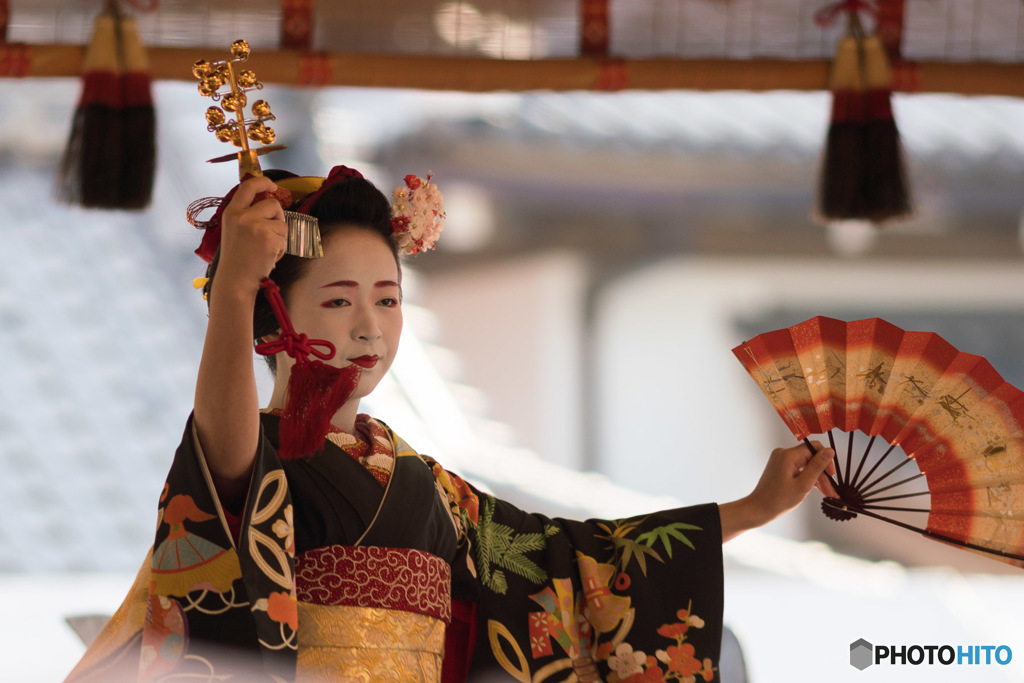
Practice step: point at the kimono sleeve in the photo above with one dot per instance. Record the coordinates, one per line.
(204, 607)
(636, 599)
(217, 607)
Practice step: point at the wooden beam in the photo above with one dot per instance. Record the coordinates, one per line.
(488, 75)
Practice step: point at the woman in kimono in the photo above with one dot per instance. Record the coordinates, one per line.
(365, 560)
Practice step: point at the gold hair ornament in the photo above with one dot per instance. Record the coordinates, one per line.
(224, 83)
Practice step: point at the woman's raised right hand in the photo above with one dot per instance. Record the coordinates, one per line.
(253, 236)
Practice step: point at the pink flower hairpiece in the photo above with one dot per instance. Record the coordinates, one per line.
(417, 214)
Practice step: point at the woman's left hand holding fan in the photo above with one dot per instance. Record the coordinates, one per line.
(788, 477)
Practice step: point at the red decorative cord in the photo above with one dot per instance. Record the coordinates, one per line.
(297, 345)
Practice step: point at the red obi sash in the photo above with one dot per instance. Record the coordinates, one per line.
(373, 576)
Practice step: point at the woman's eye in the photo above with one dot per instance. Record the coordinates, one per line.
(335, 303)
(389, 302)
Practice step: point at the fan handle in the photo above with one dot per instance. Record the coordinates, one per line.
(845, 508)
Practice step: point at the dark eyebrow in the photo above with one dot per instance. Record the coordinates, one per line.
(386, 283)
(341, 283)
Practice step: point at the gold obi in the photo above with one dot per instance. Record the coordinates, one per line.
(343, 643)
(371, 614)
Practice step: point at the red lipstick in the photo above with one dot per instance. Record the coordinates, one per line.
(365, 362)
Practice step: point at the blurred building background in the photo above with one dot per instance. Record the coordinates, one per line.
(569, 344)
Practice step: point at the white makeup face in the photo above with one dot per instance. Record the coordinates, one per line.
(352, 298)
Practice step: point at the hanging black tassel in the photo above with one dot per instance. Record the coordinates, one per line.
(139, 133)
(839, 195)
(90, 171)
(885, 185)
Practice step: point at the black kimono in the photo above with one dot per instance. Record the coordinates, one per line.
(335, 574)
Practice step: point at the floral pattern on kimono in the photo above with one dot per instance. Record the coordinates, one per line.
(549, 599)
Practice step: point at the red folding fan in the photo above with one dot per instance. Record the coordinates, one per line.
(959, 425)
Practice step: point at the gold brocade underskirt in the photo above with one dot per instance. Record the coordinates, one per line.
(343, 643)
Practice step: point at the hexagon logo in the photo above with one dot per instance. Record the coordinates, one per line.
(861, 654)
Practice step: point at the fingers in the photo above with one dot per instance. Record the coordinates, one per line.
(815, 468)
(243, 209)
(810, 468)
(789, 476)
(825, 487)
(274, 234)
(254, 237)
(817, 465)
(247, 191)
(819, 449)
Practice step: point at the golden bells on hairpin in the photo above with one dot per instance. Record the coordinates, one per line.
(225, 82)
(229, 121)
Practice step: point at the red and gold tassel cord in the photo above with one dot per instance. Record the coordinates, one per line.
(316, 391)
(839, 194)
(90, 171)
(885, 185)
(139, 120)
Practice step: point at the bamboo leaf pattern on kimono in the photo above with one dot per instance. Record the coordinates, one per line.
(665, 532)
(499, 545)
(627, 549)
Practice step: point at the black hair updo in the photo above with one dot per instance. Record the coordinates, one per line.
(348, 201)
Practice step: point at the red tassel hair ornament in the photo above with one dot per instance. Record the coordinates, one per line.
(316, 390)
